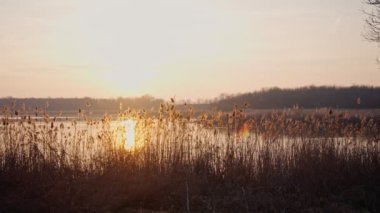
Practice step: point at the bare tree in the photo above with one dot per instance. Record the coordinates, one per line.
(373, 21)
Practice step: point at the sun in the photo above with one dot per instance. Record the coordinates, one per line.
(131, 79)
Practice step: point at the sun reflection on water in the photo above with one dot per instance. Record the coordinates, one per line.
(129, 127)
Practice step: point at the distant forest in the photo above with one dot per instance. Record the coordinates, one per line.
(85, 104)
(355, 97)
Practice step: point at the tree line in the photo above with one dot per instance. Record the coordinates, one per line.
(76, 104)
(354, 97)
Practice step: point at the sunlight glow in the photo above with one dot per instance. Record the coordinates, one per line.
(193, 49)
(129, 126)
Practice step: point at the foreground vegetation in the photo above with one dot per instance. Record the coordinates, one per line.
(217, 162)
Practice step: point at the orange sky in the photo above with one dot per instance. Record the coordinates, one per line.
(188, 49)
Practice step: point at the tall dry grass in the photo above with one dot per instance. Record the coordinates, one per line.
(215, 162)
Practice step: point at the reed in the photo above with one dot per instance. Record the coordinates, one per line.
(214, 162)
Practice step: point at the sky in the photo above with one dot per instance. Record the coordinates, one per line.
(188, 49)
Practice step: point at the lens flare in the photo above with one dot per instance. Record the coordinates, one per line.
(244, 131)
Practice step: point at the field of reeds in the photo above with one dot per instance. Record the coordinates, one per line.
(186, 161)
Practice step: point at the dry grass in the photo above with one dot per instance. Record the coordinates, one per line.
(217, 162)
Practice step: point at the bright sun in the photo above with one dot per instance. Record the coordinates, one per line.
(125, 47)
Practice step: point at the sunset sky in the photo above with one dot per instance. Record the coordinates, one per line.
(185, 48)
